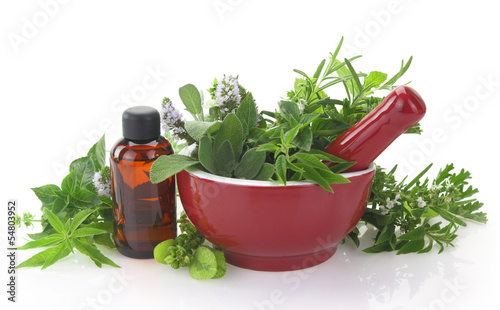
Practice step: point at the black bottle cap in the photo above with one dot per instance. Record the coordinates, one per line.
(141, 123)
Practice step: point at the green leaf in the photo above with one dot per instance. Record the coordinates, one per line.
(412, 246)
(79, 218)
(304, 139)
(40, 258)
(290, 135)
(267, 147)
(387, 233)
(204, 264)
(85, 232)
(44, 242)
(250, 164)
(58, 252)
(265, 173)
(206, 155)
(98, 154)
(85, 171)
(310, 160)
(105, 240)
(107, 226)
(319, 69)
(166, 166)
(69, 183)
(225, 159)
(232, 131)
(247, 113)
(191, 98)
(375, 77)
(354, 75)
(43, 234)
(280, 168)
(196, 129)
(54, 221)
(47, 193)
(311, 174)
(428, 248)
(221, 264)
(289, 109)
(93, 252)
(415, 234)
(84, 198)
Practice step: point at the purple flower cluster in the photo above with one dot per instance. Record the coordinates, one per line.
(102, 182)
(172, 121)
(228, 95)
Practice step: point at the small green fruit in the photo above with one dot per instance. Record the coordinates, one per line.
(160, 251)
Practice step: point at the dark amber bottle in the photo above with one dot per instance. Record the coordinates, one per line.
(144, 213)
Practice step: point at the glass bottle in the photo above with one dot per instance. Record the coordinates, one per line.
(144, 213)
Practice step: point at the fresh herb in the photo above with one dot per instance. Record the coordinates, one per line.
(187, 251)
(75, 215)
(409, 216)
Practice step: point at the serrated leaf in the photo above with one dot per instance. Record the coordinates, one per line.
(206, 155)
(85, 171)
(265, 173)
(280, 168)
(311, 174)
(232, 131)
(268, 147)
(47, 193)
(290, 135)
(84, 198)
(166, 166)
(69, 183)
(93, 252)
(376, 78)
(98, 154)
(250, 164)
(191, 98)
(304, 139)
(247, 113)
(289, 110)
(197, 129)
(54, 221)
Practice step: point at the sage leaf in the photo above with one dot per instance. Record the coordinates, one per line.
(204, 264)
(191, 98)
(232, 131)
(166, 166)
(250, 164)
(225, 159)
(206, 155)
(196, 129)
(265, 173)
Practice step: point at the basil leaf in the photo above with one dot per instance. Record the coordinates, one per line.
(98, 154)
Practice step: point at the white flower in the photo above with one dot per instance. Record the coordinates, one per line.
(210, 103)
(421, 203)
(227, 94)
(448, 184)
(302, 105)
(102, 182)
(435, 187)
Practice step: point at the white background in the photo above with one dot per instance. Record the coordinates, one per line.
(65, 70)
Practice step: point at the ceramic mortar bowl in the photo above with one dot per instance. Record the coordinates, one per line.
(261, 225)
